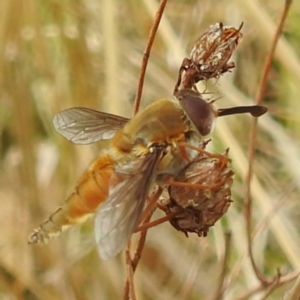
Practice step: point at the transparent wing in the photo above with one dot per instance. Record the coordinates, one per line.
(117, 218)
(82, 125)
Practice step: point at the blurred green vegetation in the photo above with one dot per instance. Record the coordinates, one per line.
(60, 54)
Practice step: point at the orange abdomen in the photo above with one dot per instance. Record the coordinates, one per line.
(91, 190)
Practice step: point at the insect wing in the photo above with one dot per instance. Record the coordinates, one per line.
(82, 125)
(117, 218)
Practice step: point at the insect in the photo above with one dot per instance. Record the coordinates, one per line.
(209, 56)
(143, 151)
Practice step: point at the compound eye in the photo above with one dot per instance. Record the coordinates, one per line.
(200, 112)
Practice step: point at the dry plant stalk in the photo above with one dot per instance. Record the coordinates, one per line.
(270, 283)
(146, 56)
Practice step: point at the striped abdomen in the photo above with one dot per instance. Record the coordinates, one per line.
(91, 190)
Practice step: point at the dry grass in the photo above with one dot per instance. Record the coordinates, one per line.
(59, 54)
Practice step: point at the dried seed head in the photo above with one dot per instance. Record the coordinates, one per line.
(213, 50)
(206, 196)
(210, 55)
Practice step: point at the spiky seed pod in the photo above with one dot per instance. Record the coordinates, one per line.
(205, 198)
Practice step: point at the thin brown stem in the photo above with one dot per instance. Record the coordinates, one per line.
(272, 286)
(143, 235)
(202, 151)
(140, 246)
(151, 205)
(282, 280)
(129, 291)
(268, 63)
(253, 133)
(159, 221)
(133, 263)
(146, 55)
